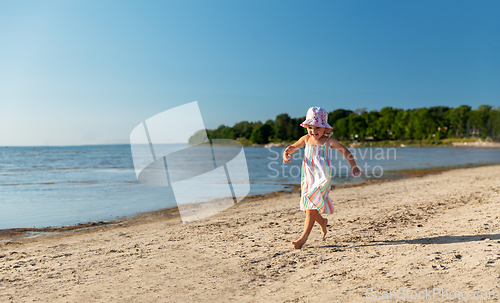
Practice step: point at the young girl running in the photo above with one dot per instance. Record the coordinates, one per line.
(316, 170)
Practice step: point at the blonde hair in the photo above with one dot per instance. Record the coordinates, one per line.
(328, 132)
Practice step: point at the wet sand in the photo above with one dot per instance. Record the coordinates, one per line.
(439, 231)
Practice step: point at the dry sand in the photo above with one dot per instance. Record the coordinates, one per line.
(438, 231)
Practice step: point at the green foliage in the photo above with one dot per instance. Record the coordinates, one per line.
(431, 125)
(198, 138)
(457, 119)
(495, 124)
(341, 129)
(281, 127)
(337, 115)
(261, 134)
(244, 129)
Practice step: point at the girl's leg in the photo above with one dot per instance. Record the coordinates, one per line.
(312, 216)
(308, 225)
(322, 222)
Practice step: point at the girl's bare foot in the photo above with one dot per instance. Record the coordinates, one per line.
(299, 243)
(323, 228)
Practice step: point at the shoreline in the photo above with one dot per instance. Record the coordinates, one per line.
(14, 235)
(402, 143)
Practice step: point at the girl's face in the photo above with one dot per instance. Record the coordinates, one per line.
(315, 131)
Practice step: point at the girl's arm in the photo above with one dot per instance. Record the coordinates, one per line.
(334, 143)
(294, 147)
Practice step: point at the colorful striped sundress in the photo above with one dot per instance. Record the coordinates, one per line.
(316, 177)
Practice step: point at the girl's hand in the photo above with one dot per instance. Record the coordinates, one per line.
(286, 155)
(355, 171)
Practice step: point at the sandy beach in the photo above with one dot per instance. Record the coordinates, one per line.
(438, 232)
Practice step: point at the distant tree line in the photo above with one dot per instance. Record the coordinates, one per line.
(387, 124)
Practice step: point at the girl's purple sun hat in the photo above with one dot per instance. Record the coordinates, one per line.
(318, 117)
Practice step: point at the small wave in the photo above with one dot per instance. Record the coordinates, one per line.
(16, 184)
(68, 168)
(84, 182)
(52, 183)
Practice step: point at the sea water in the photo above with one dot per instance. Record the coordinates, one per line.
(55, 186)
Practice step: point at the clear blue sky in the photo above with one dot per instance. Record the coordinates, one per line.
(87, 72)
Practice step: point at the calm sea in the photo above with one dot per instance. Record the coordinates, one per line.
(58, 186)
